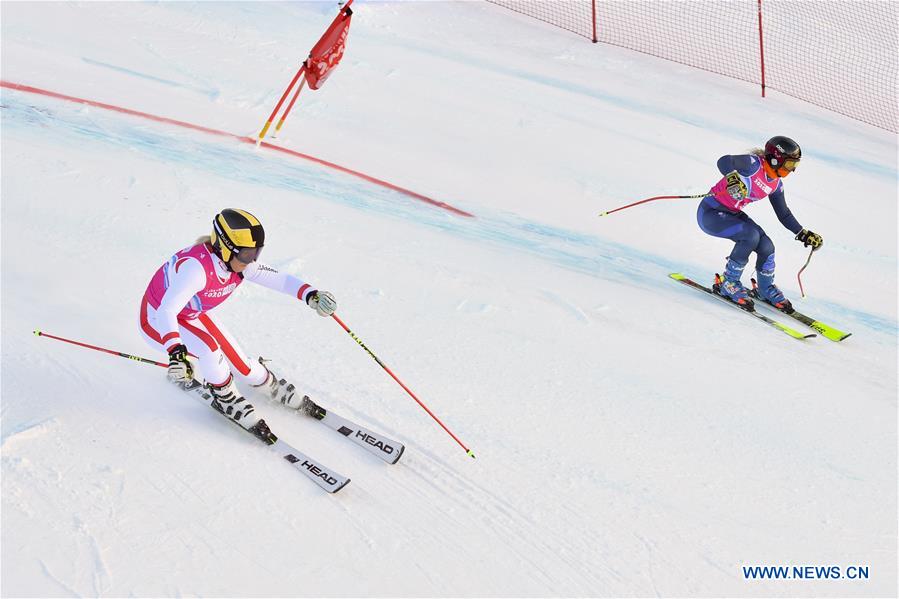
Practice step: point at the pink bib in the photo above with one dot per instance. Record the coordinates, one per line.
(758, 184)
(215, 292)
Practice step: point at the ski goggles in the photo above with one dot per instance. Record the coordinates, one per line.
(247, 255)
(790, 164)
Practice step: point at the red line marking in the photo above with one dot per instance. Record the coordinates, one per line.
(242, 138)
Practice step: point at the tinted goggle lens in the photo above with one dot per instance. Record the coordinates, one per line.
(247, 255)
(791, 163)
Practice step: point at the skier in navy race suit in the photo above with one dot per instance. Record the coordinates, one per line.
(748, 178)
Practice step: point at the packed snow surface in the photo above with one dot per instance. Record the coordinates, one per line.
(633, 437)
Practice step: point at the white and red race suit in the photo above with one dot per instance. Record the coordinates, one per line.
(177, 303)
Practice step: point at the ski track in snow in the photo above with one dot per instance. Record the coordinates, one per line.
(48, 573)
(479, 504)
(97, 566)
(576, 494)
(579, 252)
(572, 309)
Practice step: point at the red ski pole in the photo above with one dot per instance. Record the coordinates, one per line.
(387, 370)
(108, 351)
(608, 212)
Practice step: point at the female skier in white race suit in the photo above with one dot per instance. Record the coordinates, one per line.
(175, 314)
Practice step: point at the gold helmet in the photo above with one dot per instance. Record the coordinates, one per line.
(238, 234)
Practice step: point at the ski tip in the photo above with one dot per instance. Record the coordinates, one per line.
(37, 332)
(677, 276)
(345, 483)
(838, 337)
(794, 333)
(603, 213)
(829, 332)
(399, 454)
(470, 454)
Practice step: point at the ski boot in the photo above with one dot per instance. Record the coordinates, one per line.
(730, 287)
(286, 393)
(767, 291)
(310, 408)
(279, 389)
(263, 432)
(228, 400)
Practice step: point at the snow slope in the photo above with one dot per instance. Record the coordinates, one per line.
(633, 438)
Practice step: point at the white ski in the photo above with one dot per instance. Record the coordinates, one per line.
(384, 447)
(324, 477)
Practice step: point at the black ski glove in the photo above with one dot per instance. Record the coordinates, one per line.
(810, 239)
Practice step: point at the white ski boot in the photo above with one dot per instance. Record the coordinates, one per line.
(286, 393)
(228, 400)
(279, 389)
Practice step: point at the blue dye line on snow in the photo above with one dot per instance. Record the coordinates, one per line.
(580, 252)
(209, 93)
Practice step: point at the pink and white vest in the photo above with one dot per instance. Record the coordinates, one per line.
(758, 184)
(215, 292)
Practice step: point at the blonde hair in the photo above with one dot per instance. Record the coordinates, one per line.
(203, 239)
(757, 151)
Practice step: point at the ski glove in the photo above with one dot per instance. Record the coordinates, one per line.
(180, 369)
(322, 302)
(810, 239)
(735, 186)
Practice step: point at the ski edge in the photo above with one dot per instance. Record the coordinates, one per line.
(778, 325)
(792, 332)
(327, 479)
(827, 331)
(378, 447)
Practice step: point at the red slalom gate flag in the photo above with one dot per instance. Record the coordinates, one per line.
(323, 59)
(326, 54)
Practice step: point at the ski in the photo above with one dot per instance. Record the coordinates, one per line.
(321, 475)
(769, 321)
(383, 447)
(826, 330)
